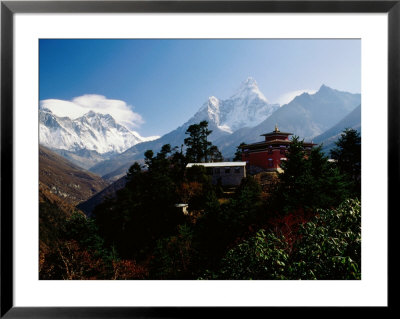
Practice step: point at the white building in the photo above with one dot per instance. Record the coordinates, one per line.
(230, 173)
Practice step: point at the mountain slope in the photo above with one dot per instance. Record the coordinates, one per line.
(64, 179)
(109, 192)
(83, 158)
(328, 138)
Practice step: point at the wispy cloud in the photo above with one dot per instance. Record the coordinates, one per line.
(289, 96)
(118, 109)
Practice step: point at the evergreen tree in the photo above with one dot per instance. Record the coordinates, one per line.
(199, 149)
(238, 153)
(194, 151)
(205, 144)
(308, 180)
(214, 154)
(144, 210)
(348, 155)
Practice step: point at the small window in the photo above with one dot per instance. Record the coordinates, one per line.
(270, 163)
(237, 170)
(227, 170)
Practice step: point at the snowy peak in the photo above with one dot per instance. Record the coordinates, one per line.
(213, 109)
(247, 107)
(249, 90)
(92, 131)
(100, 121)
(249, 84)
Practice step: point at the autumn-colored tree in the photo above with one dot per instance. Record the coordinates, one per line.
(128, 270)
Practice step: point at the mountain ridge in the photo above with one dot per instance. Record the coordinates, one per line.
(307, 116)
(92, 132)
(329, 137)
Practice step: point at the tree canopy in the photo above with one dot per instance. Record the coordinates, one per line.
(199, 149)
(348, 155)
(309, 180)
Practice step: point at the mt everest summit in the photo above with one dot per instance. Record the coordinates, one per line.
(93, 134)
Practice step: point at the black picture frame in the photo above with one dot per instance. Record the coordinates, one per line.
(9, 8)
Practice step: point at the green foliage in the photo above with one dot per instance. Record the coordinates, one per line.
(330, 245)
(214, 155)
(77, 251)
(220, 239)
(199, 149)
(221, 225)
(84, 230)
(144, 211)
(172, 255)
(263, 256)
(348, 155)
(238, 153)
(308, 181)
(198, 173)
(247, 199)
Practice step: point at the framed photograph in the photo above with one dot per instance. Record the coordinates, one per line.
(183, 158)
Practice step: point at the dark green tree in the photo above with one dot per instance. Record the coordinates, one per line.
(206, 145)
(329, 246)
(199, 149)
(308, 180)
(172, 256)
(222, 224)
(144, 211)
(214, 154)
(348, 155)
(194, 151)
(263, 256)
(238, 153)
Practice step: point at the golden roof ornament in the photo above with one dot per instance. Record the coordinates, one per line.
(276, 128)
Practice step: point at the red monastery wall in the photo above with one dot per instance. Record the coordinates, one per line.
(262, 159)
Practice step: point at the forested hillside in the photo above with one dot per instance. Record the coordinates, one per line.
(305, 224)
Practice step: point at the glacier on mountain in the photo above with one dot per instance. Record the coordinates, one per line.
(92, 131)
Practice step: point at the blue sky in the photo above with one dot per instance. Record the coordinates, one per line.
(165, 82)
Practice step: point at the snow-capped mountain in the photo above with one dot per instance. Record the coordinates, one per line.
(306, 115)
(245, 108)
(92, 131)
